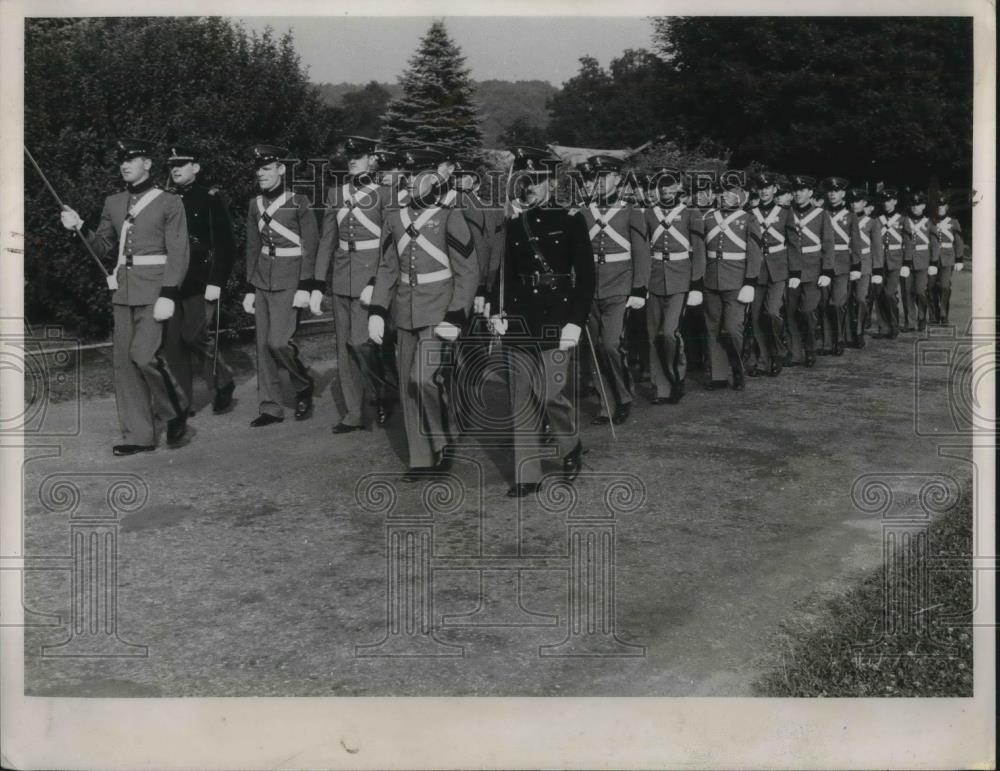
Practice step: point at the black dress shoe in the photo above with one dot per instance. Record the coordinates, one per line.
(600, 420)
(343, 428)
(572, 463)
(383, 411)
(775, 368)
(523, 489)
(739, 381)
(757, 372)
(304, 402)
(418, 473)
(132, 449)
(810, 359)
(838, 349)
(823, 352)
(621, 414)
(677, 393)
(716, 385)
(176, 428)
(223, 399)
(264, 419)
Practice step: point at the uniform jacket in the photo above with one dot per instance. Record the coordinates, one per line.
(210, 230)
(617, 229)
(845, 242)
(429, 278)
(776, 231)
(482, 222)
(892, 239)
(869, 245)
(810, 250)
(274, 260)
(352, 234)
(917, 234)
(677, 248)
(947, 245)
(160, 228)
(732, 249)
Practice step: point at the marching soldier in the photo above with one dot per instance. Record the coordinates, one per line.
(676, 279)
(621, 251)
(877, 277)
(775, 223)
(810, 268)
(948, 256)
(918, 230)
(868, 258)
(213, 251)
(733, 260)
(282, 238)
(351, 240)
(147, 229)
(833, 299)
(891, 222)
(549, 278)
(427, 276)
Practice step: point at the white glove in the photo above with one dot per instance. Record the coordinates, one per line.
(301, 299)
(478, 304)
(486, 310)
(212, 293)
(376, 329)
(793, 283)
(248, 300)
(498, 325)
(746, 295)
(163, 309)
(823, 281)
(570, 336)
(695, 298)
(904, 272)
(112, 280)
(635, 303)
(932, 270)
(446, 331)
(366, 295)
(70, 219)
(316, 302)
(959, 265)
(876, 279)
(854, 275)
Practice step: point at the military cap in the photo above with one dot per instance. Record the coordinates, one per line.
(764, 179)
(265, 154)
(447, 153)
(353, 146)
(466, 165)
(600, 164)
(730, 181)
(859, 194)
(134, 148)
(534, 160)
(888, 193)
(918, 196)
(420, 158)
(783, 183)
(834, 183)
(387, 159)
(664, 177)
(801, 182)
(180, 155)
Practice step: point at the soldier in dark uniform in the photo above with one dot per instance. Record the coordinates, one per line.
(147, 230)
(213, 250)
(282, 238)
(948, 255)
(549, 280)
(350, 241)
(427, 278)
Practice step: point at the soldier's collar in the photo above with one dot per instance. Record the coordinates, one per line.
(274, 192)
(141, 187)
(364, 178)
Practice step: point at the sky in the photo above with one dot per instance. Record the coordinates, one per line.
(360, 49)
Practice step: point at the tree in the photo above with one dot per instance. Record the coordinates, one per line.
(522, 131)
(195, 81)
(437, 102)
(363, 109)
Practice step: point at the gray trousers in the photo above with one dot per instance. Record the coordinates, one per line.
(606, 324)
(724, 317)
(913, 297)
(189, 335)
(539, 387)
(939, 291)
(145, 388)
(832, 308)
(858, 305)
(766, 316)
(887, 301)
(800, 318)
(361, 364)
(667, 361)
(425, 361)
(276, 322)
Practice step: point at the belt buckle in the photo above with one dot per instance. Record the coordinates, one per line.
(718, 254)
(412, 278)
(411, 231)
(351, 247)
(601, 258)
(272, 250)
(128, 260)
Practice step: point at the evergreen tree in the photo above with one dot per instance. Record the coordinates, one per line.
(436, 105)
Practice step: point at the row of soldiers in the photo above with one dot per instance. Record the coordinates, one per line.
(412, 257)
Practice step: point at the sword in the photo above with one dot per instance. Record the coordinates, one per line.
(215, 349)
(63, 206)
(600, 382)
